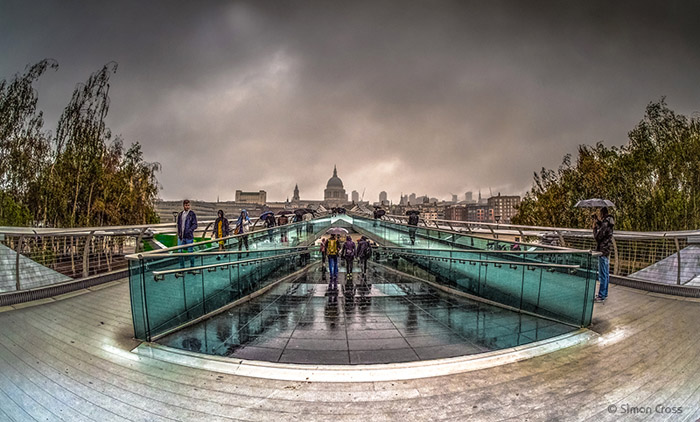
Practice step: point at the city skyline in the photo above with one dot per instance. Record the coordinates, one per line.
(437, 99)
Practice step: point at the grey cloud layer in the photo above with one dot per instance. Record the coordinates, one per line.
(425, 97)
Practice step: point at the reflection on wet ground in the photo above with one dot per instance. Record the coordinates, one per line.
(378, 318)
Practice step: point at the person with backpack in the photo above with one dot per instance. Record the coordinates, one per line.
(332, 253)
(348, 254)
(412, 221)
(364, 253)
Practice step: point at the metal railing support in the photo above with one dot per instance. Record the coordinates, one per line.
(678, 251)
(617, 269)
(86, 253)
(20, 243)
(138, 240)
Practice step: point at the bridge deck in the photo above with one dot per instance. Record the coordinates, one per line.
(69, 360)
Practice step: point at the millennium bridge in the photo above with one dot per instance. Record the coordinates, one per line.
(472, 321)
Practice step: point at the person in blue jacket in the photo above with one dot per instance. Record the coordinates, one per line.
(186, 225)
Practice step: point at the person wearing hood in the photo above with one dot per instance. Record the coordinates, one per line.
(221, 230)
(348, 253)
(603, 234)
(364, 252)
(242, 228)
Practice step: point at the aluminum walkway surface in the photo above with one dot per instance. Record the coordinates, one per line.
(69, 360)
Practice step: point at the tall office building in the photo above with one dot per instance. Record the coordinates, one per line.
(383, 198)
(355, 196)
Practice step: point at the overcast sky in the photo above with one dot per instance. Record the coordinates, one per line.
(431, 97)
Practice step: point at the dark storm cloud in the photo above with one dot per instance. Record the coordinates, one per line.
(425, 97)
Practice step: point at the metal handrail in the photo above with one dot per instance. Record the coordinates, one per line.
(161, 274)
(206, 253)
(496, 252)
(486, 261)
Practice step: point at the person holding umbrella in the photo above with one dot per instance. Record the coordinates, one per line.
(603, 233)
(268, 217)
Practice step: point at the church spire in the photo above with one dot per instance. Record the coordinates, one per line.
(335, 171)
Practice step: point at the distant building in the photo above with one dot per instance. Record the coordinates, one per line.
(503, 207)
(355, 196)
(295, 198)
(479, 213)
(259, 197)
(454, 198)
(456, 213)
(383, 198)
(412, 198)
(469, 196)
(334, 194)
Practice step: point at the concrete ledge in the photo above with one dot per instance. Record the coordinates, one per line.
(650, 286)
(362, 373)
(29, 295)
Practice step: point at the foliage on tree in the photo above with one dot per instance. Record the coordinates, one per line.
(80, 176)
(654, 180)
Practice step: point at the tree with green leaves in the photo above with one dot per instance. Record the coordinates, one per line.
(654, 180)
(24, 146)
(80, 177)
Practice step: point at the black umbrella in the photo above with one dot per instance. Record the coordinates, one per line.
(379, 213)
(284, 212)
(409, 212)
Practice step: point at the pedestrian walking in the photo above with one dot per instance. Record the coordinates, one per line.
(221, 230)
(348, 254)
(270, 223)
(324, 243)
(364, 253)
(281, 221)
(332, 253)
(242, 228)
(186, 225)
(412, 221)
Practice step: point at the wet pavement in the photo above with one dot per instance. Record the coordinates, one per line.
(378, 318)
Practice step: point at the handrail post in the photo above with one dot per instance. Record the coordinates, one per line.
(616, 271)
(561, 239)
(678, 251)
(138, 239)
(20, 243)
(86, 253)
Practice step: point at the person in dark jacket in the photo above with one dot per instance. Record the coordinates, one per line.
(186, 225)
(364, 252)
(221, 229)
(348, 253)
(603, 234)
(412, 221)
(281, 221)
(270, 223)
